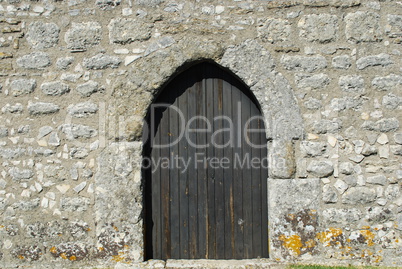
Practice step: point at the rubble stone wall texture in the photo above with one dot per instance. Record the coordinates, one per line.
(77, 77)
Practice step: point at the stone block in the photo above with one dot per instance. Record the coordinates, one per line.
(22, 86)
(382, 59)
(40, 108)
(55, 88)
(359, 195)
(88, 88)
(274, 30)
(352, 84)
(101, 61)
(318, 81)
(321, 168)
(125, 30)
(394, 27)
(319, 27)
(34, 60)
(42, 35)
(304, 63)
(83, 35)
(383, 125)
(281, 159)
(387, 83)
(363, 27)
(391, 101)
(341, 62)
(82, 110)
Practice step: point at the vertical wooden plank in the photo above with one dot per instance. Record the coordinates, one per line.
(228, 171)
(211, 220)
(246, 174)
(156, 190)
(165, 185)
(219, 173)
(201, 168)
(183, 180)
(237, 172)
(174, 133)
(264, 193)
(255, 182)
(192, 172)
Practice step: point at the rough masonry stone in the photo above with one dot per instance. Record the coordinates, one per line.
(22, 86)
(55, 88)
(88, 88)
(274, 30)
(42, 35)
(359, 195)
(383, 125)
(382, 59)
(394, 27)
(319, 27)
(41, 108)
(318, 81)
(321, 168)
(82, 110)
(387, 83)
(126, 30)
(341, 62)
(304, 63)
(363, 27)
(352, 84)
(34, 60)
(83, 35)
(101, 61)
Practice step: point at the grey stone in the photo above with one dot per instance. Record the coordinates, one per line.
(73, 131)
(42, 35)
(281, 160)
(274, 30)
(346, 168)
(82, 109)
(321, 168)
(359, 195)
(329, 195)
(34, 60)
(88, 88)
(382, 59)
(126, 30)
(159, 44)
(327, 126)
(318, 81)
(17, 108)
(356, 158)
(341, 186)
(3, 131)
(369, 150)
(392, 191)
(341, 215)
(74, 204)
(378, 214)
(394, 27)
(377, 180)
(27, 205)
(83, 35)
(101, 61)
(54, 140)
(396, 149)
(43, 152)
(252, 63)
(350, 180)
(353, 84)
(319, 27)
(55, 88)
(21, 175)
(294, 193)
(387, 83)
(71, 77)
(383, 125)
(150, 3)
(304, 63)
(22, 86)
(107, 4)
(12, 153)
(44, 131)
(80, 187)
(313, 104)
(363, 27)
(312, 149)
(74, 173)
(78, 153)
(64, 62)
(340, 104)
(341, 62)
(398, 138)
(391, 101)
(41, 108)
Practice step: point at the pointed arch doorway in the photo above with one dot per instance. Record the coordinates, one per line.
(206, 183)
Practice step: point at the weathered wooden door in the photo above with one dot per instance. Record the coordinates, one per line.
(206, 182)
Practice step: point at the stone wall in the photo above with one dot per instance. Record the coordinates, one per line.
(77, 77)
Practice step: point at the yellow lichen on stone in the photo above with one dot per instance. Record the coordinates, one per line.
(329, 236)
(369, 236)
(117, 258)
(292, 243)
(21, 257)
(53, 250)
(63, 255)
(73, 258)
(310, 243)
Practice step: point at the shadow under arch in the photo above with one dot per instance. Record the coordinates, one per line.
(153, 121)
